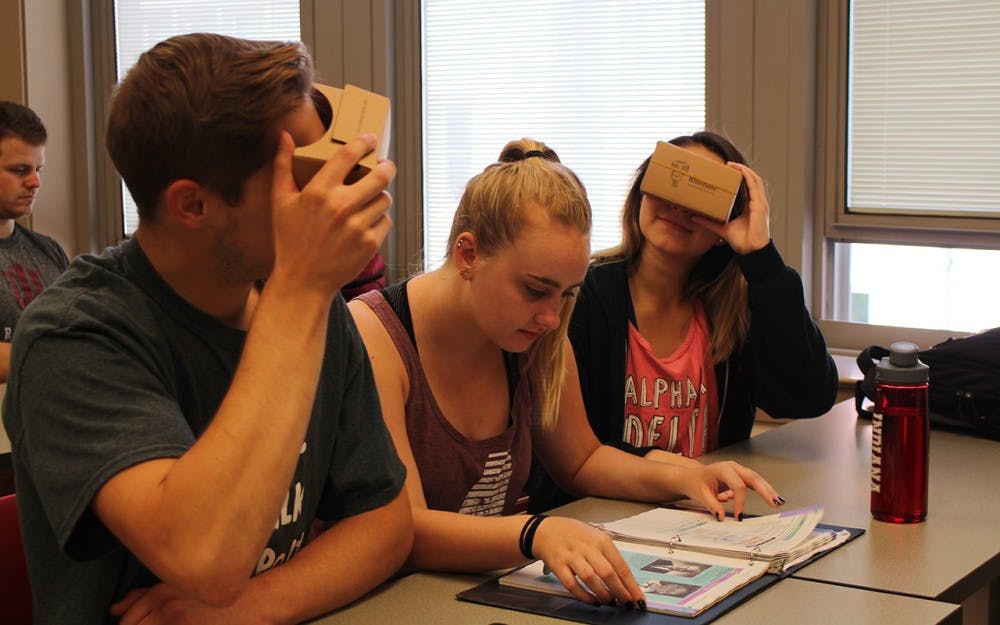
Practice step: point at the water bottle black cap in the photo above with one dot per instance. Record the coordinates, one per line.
(902, 366)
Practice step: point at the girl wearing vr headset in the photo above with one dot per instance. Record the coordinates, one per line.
(691, 325)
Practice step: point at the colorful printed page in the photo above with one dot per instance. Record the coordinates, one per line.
(680, 583)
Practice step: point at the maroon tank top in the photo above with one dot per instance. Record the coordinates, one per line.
(484, 477)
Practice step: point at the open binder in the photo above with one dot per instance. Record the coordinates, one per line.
(505, 595)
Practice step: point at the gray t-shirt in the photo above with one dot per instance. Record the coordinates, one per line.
(29, 262)
(111, 368)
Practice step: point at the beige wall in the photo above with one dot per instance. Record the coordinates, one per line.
(35, 52)
(761, 72)
(48, 93)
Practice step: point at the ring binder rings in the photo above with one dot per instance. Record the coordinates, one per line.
(673, 541)
(780, 540)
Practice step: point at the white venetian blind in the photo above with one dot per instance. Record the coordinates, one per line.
(139, 24)
(599, 81)
(924, 110)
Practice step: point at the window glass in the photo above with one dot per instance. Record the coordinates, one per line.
(923, 287)
(599, 82)
(923, 122)
(139, 24)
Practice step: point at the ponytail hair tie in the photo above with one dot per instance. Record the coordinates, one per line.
(531, 153)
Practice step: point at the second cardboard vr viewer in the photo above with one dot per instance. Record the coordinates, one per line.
(355, 112)
(692, 181)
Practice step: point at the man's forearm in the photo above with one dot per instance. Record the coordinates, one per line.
(339, 566)
(204, 525)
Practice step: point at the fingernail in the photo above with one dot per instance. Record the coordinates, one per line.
(778, 501)
(739, 517)
(642, 605)
(721, 516)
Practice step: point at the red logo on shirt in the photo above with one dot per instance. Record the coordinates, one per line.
(25, 284)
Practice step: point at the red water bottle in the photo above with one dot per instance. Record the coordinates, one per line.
(900, 437)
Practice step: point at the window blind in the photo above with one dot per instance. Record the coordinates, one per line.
(139, 24)
(924, 107)
(599, 81)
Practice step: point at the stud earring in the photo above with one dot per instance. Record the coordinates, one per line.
(466, 274)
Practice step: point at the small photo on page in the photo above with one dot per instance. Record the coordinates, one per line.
(677, 568)
(664, 588)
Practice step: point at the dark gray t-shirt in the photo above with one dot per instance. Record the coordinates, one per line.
(29, 262)
(111, 368)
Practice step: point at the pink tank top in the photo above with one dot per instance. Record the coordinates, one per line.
(485, 477)
(672, 402)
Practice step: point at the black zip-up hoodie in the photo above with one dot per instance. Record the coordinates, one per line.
(783, 367)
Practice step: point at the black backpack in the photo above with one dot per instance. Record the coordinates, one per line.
(964, 391)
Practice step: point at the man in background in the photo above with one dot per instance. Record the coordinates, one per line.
(29, 261)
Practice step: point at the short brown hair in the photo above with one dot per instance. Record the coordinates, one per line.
(206, 108)
(17, 120)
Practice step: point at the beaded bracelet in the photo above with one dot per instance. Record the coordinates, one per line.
(527, 537)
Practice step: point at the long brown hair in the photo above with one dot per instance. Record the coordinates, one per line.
(493, 209)
(716, 278)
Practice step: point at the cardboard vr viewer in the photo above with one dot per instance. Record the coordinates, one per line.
(692, 181)
(355, 112)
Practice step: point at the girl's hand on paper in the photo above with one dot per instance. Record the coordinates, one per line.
(715, 484)
(587, 563)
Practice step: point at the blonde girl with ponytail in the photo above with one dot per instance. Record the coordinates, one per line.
(473, 367)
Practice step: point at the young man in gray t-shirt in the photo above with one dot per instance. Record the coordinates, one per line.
(185, 409)
(29, 261)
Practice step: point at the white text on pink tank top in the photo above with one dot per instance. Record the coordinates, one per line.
(672, 402)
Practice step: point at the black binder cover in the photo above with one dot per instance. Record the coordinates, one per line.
(492, 593)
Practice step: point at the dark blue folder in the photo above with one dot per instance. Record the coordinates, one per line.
(492, 593)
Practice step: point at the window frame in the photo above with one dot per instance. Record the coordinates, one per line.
(843, 225)
(836, 224)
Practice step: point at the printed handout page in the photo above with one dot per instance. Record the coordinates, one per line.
(781, 538)
(674, 583)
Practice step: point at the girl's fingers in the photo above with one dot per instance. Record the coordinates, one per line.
(568, 579)
(619, 579)
(763, 488)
